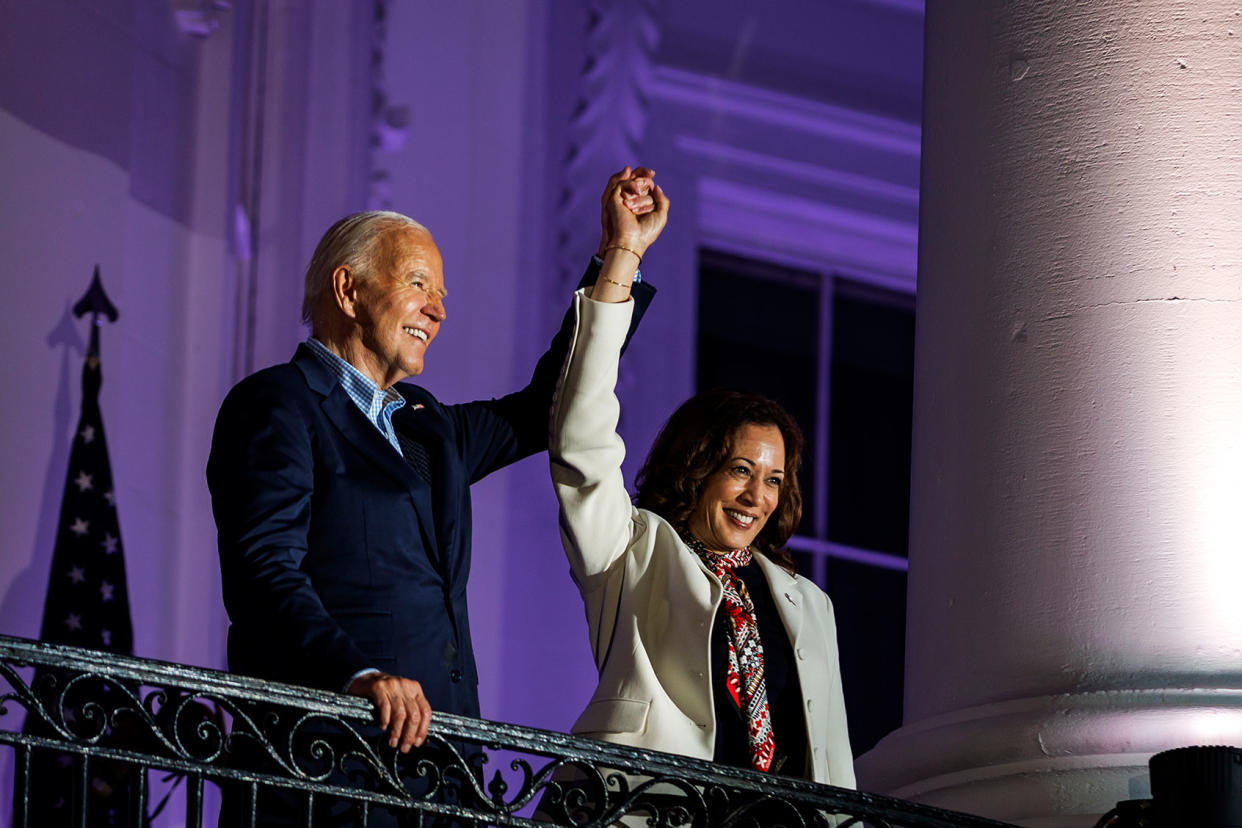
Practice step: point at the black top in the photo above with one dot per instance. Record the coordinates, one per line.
(781, 675)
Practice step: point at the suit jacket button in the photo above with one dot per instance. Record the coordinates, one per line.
(455, 676)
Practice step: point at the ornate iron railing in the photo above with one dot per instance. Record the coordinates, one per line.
(98, 722)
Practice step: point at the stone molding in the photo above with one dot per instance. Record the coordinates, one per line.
(200, 18)
(390, 123)
(777, 110)
(1081, 748)
(608, 122)
(804, 183)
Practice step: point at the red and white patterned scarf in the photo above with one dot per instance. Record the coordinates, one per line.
(744, 672)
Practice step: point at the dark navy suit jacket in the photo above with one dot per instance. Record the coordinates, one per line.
(335, 555)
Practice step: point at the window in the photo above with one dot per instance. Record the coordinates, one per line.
(838, 354)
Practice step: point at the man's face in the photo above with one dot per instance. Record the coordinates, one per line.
(399, 307)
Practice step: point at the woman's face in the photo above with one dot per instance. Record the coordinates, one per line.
(740, 496)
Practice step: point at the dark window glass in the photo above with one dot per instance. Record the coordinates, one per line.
(870, 607)
(759, 331)
(803, 561)
(872, 390)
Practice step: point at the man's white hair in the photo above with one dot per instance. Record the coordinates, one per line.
(351, 242)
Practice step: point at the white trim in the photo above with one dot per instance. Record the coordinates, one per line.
(783, 111)
(764, 224)
(854, 554)
(799, 170)
(908, 6)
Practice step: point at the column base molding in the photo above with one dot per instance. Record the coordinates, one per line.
(1057, 761)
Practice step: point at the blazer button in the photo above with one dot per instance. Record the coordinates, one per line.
(801, 654)
(809, 705)
(455, 676)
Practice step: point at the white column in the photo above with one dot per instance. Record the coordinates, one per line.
(1076, 538)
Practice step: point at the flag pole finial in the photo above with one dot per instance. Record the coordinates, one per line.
(95, 302)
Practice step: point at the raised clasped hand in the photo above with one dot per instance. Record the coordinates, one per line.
(634, 211)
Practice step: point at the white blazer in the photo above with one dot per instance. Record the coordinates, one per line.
(650, 602)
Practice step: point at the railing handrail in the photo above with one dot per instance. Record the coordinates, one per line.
(197, 682)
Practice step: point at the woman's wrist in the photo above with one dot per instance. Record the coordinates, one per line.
(633, 244)
(624, 249)
(616, 275)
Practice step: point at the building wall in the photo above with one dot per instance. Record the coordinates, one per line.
(103, 146)
(199, 171)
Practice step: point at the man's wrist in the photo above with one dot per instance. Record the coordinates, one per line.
(365, 671)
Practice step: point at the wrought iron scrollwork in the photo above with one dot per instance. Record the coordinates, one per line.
(297, 742)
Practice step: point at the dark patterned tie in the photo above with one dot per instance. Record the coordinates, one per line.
(416, 455)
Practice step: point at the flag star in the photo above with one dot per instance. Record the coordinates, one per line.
(109, 543)
(110, 497)
(87, 434)
(77, 575)
(105, 635)
(83, 481)
(105, 591)
(74, 621)
(80, 527)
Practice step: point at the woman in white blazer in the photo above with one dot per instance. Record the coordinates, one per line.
(749, 678)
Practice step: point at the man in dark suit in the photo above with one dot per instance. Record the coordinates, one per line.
(341, 495)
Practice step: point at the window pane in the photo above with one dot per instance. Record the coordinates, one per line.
(872, 400)
(758, 330)
(870, 607)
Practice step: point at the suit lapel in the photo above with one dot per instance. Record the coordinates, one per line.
(366, 438)
(426, 427)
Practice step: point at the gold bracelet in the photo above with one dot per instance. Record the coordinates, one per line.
(627, 250)
(615, 282)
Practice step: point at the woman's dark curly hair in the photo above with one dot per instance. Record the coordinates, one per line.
(695, 443)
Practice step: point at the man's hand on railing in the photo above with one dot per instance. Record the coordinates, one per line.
(400, 705)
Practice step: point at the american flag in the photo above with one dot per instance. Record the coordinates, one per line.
(87, 605)
(87, 599)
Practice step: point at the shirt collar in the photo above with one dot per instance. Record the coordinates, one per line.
(361, 389)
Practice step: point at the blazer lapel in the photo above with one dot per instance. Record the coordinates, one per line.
(366, 438)
(787, 596)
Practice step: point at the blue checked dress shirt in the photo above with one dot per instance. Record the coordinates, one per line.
(377, 405)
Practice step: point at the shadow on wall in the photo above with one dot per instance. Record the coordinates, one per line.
(22, 608)
(21, 611)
